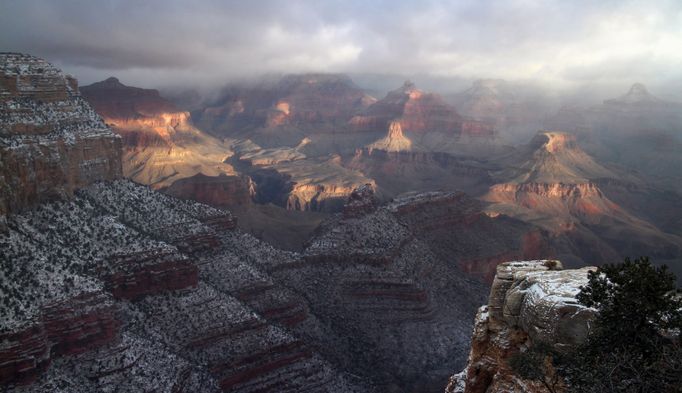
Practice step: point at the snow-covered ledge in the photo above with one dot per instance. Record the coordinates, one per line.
(530, 301)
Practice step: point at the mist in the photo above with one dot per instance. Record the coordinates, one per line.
(577, 46)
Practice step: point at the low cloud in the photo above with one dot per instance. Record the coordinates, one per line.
(172, 42)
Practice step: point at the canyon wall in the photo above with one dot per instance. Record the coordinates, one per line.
(51, 141)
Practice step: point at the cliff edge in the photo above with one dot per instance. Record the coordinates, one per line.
(530, 302)
(51, 141)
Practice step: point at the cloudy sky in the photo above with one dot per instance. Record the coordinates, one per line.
(152, 43)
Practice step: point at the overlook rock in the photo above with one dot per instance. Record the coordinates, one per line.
(530, 302)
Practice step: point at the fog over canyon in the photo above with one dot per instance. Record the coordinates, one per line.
(318, 197)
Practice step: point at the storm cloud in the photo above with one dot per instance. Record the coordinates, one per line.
(181, 42)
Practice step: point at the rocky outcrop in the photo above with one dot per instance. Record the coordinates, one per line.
(417, 112)
(220, 191)
(67, 327)
(136, 275)
(530, 302)
(51, 141)
(360, 202)
(394, 141)
(24, 355)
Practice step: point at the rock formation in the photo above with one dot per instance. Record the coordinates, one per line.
(530, 302)
(553, 183)
(637, 131)
(220, 191)
(122, 286)
(161, 144)
(109, 284)
(312, 102)
(51, 142)
(283, 177)
(419, 113)
(361, 202)
(637, 95)
(394, 141)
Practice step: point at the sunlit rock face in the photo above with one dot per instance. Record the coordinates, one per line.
(413, 120)
(415, 110)
(126, 287)
(320, 98)
(556, 185)
(51, 141)
(161, 145)
(141, 116)
(286, 177)
(395, 140)
(530, 302)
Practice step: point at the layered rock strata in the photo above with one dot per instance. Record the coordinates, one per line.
(413, 111)
(553, 183)
(376, 273)
(123, 288)
(160, 143)
(51, 141)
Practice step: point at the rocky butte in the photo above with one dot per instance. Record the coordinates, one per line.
(555, 184)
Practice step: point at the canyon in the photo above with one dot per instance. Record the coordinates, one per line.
(303, 143)
(109, 284)
(300, 235)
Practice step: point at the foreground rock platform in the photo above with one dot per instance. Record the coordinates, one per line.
(530, 302)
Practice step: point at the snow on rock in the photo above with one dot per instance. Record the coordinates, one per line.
(530, 302)
(109, 286)
(51, 141)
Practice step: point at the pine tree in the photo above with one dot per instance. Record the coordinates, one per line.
(634, 342)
